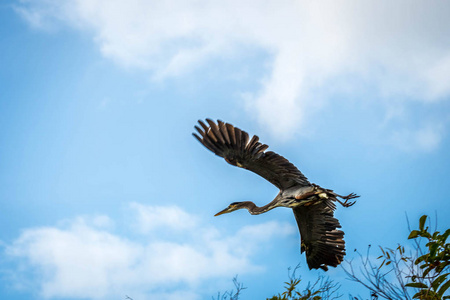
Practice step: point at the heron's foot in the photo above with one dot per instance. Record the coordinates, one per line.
(348, 203)
(350, 196)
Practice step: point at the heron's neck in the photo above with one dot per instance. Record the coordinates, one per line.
(256, 210)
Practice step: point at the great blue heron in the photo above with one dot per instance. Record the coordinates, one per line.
(313, 205)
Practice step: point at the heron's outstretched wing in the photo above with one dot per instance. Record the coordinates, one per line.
(323, 243)
(235, 146)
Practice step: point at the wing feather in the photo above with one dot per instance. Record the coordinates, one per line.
(230, 130)
(323, 242)
(216, 131)
(205, 128)
(237, 134)
(238, 149)
(224, 132)
(252, 143)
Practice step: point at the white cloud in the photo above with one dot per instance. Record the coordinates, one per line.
(426, 138)
(149, 218)
(400, 48)
(84, 259)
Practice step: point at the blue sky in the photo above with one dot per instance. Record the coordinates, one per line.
(105, 193)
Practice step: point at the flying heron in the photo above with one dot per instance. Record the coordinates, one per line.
(313, 205)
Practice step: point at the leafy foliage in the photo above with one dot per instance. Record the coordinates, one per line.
(432, 281)
(322, 289)
(384, 280)
(232, 295)
(424, 273)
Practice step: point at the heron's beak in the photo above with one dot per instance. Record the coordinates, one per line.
(226, 210)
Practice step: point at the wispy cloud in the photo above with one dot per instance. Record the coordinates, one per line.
(151, 218)
(400, 49)
(426, 138)
(84, 258)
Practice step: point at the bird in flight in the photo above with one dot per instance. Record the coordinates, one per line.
(312, 205)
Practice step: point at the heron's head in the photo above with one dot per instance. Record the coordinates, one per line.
(232, 207)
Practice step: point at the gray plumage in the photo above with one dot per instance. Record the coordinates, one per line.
(312, 205)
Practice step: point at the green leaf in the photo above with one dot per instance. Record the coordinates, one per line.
(419, 285)
(418, 295)
(435, 235)
(425, 234)
(421, 258)
(445, 235)
(425, 295)
(443, 288)
(437, 282)
(422, 222)
(413, 234)
(433, 249)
